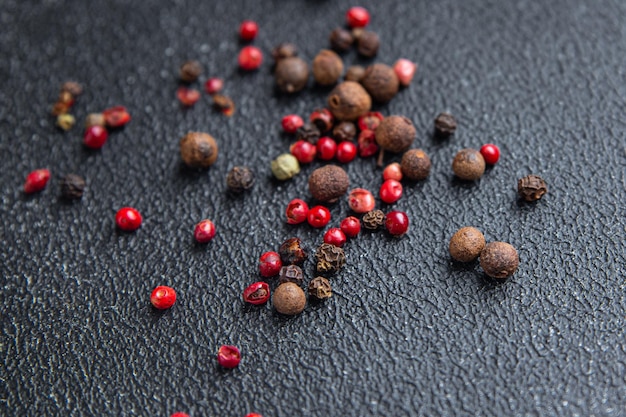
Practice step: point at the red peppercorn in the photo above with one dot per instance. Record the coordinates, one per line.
(397, 223)
(128, 219)
(491, 153)
(405, 70)
(361, 200)
(291, 123)
(257, 293)
(179, 414)
(204, 231)
(393, 171)
(36, 180)
(95, 137)
(370, 120)
(270, 264)
(213, 85)
(367, 145)
(357, 17)
(303, 151)
(115, 117)
(248, 30)
(335, 236)
(323, 119)
(326, 148)
(187, 96)
(297, 211)
(163, 297)
(253, 415)
(346, 152)
(318, 216)
(350, 226)
(228, 356)
(250, 58)
(390, 191)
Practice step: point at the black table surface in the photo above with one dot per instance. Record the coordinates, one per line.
(408, 331)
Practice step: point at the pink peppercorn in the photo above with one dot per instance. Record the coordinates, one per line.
(326, 148)
(213, 85)
(128, 219)
(248, 30)
(390, 191)
(335, 236)
(361, 200)
(297, 211)
(270, 264)
(397, 223)
(303, 151)
(346, 152)
(318, 216)
(95, 137)
(350, 226)
(204, 231)
(36, 181)
(163, 297)
(250, 58)
(228, 356)
(393, 171)
(291, 123)
(357, 17)
(491, 153)
(405, 70)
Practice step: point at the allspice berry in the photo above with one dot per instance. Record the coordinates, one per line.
(368, 43)
(291, 74)
(466, 244)
(499, 260)
(327, 67)
(381, 82)
(468, 164)
(328, 183)
(239, 179)
(395, 134)
(198, 150)
(190, 71)
(415, 165)
(348, 101)
(355, 73)
(531, 187)
(320, 289)
(285, 166)
(289, 299)
(284, 50)
(341, 40)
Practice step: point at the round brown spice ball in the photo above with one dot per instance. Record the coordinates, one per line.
(198, 150)
(348, 101)
(190, 71)
(327, 67)
(289, 299)
(466, 244)
(368, 43)
(468, 164)
(415, 165)
(395, 134)
(341, 40)
(291, 74)
(381, 82)
(355, 73)
(344, 131)
(499, 260)
(328, 183)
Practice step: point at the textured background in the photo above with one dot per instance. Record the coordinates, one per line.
(408, 332)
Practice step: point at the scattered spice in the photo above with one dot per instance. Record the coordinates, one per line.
(198, 150)
(250, 58)
(308, 132)
(346, 152)
(445, 124)
(374, 219)
(330, 258)
(326, 148)
(95, 137)
(72, 187)
(395, 134)
(297, 211)
(350, 226)
(466, 244)
(289, 299)
(367, 143)
(213, 85)
(381, 82)
(187, 96)
(368, 43)
(291, 273)
(405, 70)
(116, 116)
(36, 180)
(248, 30)
(303, 151)
(355, 73)
(320, 289)
(335, 236)
(361, 200)
(270, 264)
(292, 252)
(323, 119)
(328, 183)
(95, 119)
(348, 101)
(190, 71)
(228, 356)
(341, 40)
(396, 223)
(393, 171)
(357, 17)
(65, 121)
(318, 216)
(390, 191)
(284, 50)
(257, 293)
(468, 164)
(240, 179)
(224, 104)
(327, 67)
(491, 153)
(72, 87)
(163, 297)
(344, 131)
(128, 219)
(291, 123)
(499, 260)
(204, 231)
(531, 187)
(285, 167)
(415, 165)
(291, 74)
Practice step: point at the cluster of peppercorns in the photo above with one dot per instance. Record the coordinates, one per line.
(70, 90)
(189, 73)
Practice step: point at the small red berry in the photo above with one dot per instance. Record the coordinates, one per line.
(491, 153)
(179, 414)
(357, 17)
(390, 191)
(361, 200)
(350, 226)
(248, 30)
(397, 223)
(367, 143)
(335, 236)
(253, 415)
(405, 70)
(36, 180)
(370, 120)
(270, 264)
(297, 211)
(346, 152)
(291, 123)
(213, 85)
(318, 216)
(116, 116)
(257, 293)
(187, 96)
(128, 219)
(95, 137)
(204, 231)
(323, 119)
(326, 148)
(393, 171)
(303, 151)
(228, 356)
(163, 297)
(250, 58)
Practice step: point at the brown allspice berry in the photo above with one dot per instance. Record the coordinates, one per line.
(327, 67)
(415, 165)
(95, 119)
(368, 43)
(284, 50)
(239, 179)
(330, 258)
(291, 74)
(466, 244)
(499, 260)
(289, 299)
(292, 252)
(341, 39)
(468, 164)
(531, 187)
(348, 101)
(395, 134)
(198, 150)
(190, 71)
(320, 288)
(381, 82)
(291, 273)
(308, 132)
(445, 124)
(373, 220)
(344, 131)
(328, 183)
(354, 73)
(72, 187)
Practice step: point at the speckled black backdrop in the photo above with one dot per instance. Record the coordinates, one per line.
(408, 332)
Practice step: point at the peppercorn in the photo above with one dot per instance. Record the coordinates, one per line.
(198, 150)
(330, 258)
(72, 87)
(240, 179)
(59, 108)
(348, 101)
(292, 252)
(445, 124)
(466, 244)
(285, 166)
(374, 219)
(291, 74)
(72, 187)
(381, 82)
(224, 104)
(291, 273)
(65, 121)
(289, 299)
(284, 50)
(65, 97)
(344, 131)
(323, 119)
(354, 73)
(308, 132)
(415, 165)
(395, 134)
(328, 183)
(499, 260)
(320, 289)
(95, 119)
(190, 71)
(327, 67)
(341, 40)
(368, 43)
(468, 164)
(531, 187)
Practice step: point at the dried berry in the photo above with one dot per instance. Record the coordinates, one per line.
(320, 289)
(326, 148)
(291, 123)
(491, 153)
(163, 297)
(284, 50)
(344, 131)
(499, 260)
(367, 143)
(291, 252)
(198, 150)
(328, 183)
(370, 120)
(341, 40)
(393, 171)
(346, 152)
(65, 121)
(361, 200)
(445, 124)
(350, 226)
(354, 73)
(381, 82)
(289, 299)
(395, 134)
(228, 356)
(250, 58)
(308, 132)
(297, 211)
(405, 70)
(468, 164)
(190, 71)
(72, 87)
(213, 85)
(95, 119)
(204, 231)
(335, 236)
(374, 219)
(72, 187)
(415, 165)
(248, 30)
(257, 293)
(531, 187)
(285, 166)
(396, 223)
(303, 151)
(357, 17)
(291, 273)
(327, 67)
(240, 179)
(323, 119)
(330, 258)
(128, 219)
(390, 191)
(36, 180)
(291, 74)
(348, 101)
(368, 43)
(466, 244)
(270, 264)
(224, 104)
(116, 116)
(318, 216)
(95, 137)
(187, 96)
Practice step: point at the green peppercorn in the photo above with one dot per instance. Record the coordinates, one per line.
(285, 166)
(65, 121)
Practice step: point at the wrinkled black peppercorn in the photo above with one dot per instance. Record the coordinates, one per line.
(320, 289)
(374, 219)
(240, 179)
(344, 131)
(531, 187)
(72, 187)
(330, 258)
(190, 71)
(291, 252)
(291, 273)
(341, 40)
(308, 132)
(445, 124)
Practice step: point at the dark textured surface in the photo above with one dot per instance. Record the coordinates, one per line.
(408, 332)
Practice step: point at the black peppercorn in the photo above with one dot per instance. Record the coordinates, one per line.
(190, 71)
(374, 219)
(445, 124)
(381, 82)
(368, 43)
(291, 74)
(284, 50)
(320, 289)
(291, 252)
(341, 40)
(328, 183)
(531, 187)
(308, 132)
(291, 273)
(348, 101)
(330, 258)
(72, 187)
(327, 67)
(344, 131)
(355, 73)
(240, 179)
